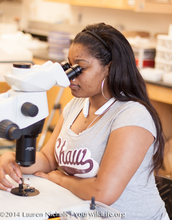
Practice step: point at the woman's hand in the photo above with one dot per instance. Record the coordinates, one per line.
(54, 176)
(10, 167)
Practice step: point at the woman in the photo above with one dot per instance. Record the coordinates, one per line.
(109, 139)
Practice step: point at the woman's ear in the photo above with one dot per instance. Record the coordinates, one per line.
(106, 69)
(109, 65)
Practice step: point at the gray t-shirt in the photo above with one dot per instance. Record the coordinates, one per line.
(81, 155)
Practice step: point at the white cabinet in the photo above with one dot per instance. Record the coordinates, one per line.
(119, 4)
(154, 6)
(150, 6)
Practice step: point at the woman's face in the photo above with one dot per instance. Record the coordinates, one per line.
(88, 83)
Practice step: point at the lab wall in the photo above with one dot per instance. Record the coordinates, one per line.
(59, 13)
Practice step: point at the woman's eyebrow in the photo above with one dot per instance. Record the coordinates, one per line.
(79, 60)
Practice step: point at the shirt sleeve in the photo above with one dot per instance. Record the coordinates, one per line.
(135, 115)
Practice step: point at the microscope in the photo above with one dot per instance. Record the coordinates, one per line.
(24, 107)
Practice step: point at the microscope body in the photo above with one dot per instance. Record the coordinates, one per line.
(23, 127)
(12, 102)
(24, 107)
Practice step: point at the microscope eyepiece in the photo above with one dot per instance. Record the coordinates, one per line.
(22, 65)
(73, 71)
(65, 65)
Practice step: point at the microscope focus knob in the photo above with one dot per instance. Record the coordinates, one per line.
(9, 130)
(29, 109)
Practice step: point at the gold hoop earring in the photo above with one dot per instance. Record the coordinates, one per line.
(102, 86)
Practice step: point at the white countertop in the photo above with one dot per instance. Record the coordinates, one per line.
(51, 199)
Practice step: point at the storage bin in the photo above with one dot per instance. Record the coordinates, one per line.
(144, 56)
(163, 64)
(163, 59)
(58, 42)
(164, 41)
(163, 53)
(152, 74)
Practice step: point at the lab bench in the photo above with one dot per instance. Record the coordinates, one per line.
(51, 202)
(51, 199)
(160, 91)
(160, 95)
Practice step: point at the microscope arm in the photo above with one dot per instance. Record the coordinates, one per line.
(37, 78)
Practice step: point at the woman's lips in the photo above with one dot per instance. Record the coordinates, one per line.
(73, 86)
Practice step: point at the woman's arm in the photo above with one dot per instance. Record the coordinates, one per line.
(125, 152)
(45, 161)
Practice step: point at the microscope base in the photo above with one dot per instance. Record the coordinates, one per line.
(24, 191)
